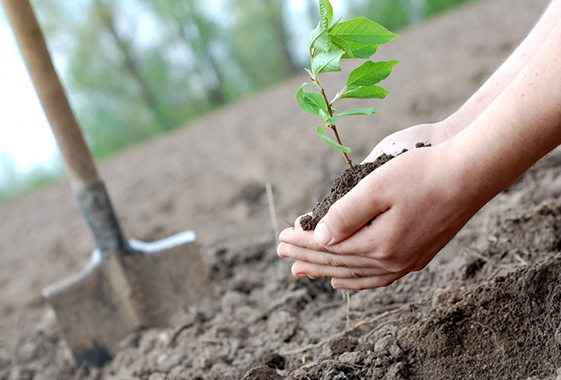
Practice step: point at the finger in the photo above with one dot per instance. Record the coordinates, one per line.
(288, 251)
(295, 237)
(366, 242)
(302, 269)
(367, 282)
(352, 211)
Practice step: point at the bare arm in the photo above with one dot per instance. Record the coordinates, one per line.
(508, 70)
(435, 133)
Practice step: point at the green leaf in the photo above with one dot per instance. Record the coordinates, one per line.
(358, 111)
(363, 31)
(339, 43)
(359, 50)
(328, 119)
(335, 24)
(370, 73)
(332, 142)
(319, 38)
(365, 92)
(311, 102)
(329, 61)
(326, 13)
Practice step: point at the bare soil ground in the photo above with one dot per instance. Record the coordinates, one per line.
(486, 308)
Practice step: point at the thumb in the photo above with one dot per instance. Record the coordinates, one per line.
(350, 213)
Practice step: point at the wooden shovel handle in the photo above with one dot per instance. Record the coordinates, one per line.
(77, 158)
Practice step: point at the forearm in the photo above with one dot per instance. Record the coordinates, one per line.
(521, 125)
(506, 73)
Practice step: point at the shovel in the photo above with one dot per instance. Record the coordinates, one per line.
(129, 284)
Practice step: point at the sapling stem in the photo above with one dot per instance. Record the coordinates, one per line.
(333, 127)
(330, 42)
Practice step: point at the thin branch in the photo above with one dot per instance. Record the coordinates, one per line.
(333, 127)
(356, 326)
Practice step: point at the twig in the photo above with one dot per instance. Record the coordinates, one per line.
(383, 308)
(492, 332)
(487, 259)
(311, 346)
(520, 259)
(213, 340)
(347, 297)
(272, 211)
(377, 318)
(376, 329)
(325, 341)
(178, 330)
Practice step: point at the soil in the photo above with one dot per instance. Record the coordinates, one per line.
(487, 307)
(348, 179)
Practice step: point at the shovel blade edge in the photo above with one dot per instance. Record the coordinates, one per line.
(119, 293)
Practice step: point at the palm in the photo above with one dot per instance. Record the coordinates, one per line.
(404, 139)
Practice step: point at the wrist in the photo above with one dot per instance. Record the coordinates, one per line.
(448, 128)
(487, 161)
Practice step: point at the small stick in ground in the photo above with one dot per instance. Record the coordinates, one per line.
(272, 211)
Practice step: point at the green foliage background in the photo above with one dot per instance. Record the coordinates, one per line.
(137, 68)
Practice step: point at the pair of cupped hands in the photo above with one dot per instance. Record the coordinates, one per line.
(394, 221)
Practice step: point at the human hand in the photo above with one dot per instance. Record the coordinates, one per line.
(415, 204)
(430, 133)
(418, 201)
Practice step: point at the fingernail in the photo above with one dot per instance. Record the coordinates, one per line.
(322, 234)
(301, 275)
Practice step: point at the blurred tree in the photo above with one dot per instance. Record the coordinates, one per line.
(114, 84)
(396, 14)
(198, 33)
(393, 14)
(275, 10)
(255, 44)
(135, 68)
(434, 7)
(104, 10)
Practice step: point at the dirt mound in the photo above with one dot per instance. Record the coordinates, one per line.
(485, 308)
(490, 312)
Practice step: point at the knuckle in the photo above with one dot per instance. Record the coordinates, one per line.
(384, 282)
(392, 266)
(318, 247)
(322, 273)
(330, 261)
(396, 267)
(356, 273)
(383, 255)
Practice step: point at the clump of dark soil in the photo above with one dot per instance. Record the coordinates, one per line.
(348, 179)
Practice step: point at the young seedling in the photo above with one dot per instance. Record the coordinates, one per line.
(330, 42)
